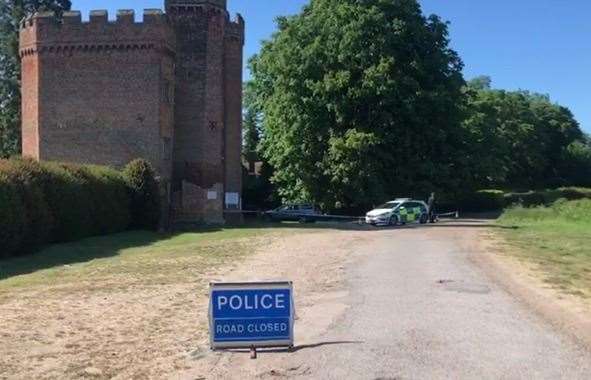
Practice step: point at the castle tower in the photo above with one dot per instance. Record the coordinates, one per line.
(98, 92)
(167, 89)
(208, 108)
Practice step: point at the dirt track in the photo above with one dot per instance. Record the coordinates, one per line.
(374, 303)
(409, 304)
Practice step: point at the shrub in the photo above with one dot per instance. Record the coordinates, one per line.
(547, 197)
(51, 202)
(528, 199)
(70, 201)
(27, 177)
(145, 194)
(106, 197)
(112, 200)
(12, 218)
(483, 200)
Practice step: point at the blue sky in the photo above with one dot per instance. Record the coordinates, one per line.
(538, 45)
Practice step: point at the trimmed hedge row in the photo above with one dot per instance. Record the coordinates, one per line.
(496, 200)
(43, 203)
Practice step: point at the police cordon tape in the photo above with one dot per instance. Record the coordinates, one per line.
(333, 218)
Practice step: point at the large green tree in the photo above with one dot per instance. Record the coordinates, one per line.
(11, 13)
(362, 101)
(520, 138)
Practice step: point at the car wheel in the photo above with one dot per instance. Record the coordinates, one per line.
(302, 220)
(393, 220)
(424, 219)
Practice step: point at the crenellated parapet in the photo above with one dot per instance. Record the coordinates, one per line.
(235, 29)
(43, 32)
(184, 4)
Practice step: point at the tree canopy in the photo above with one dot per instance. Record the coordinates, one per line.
(11, 13)
(361, 100)
(520, 138)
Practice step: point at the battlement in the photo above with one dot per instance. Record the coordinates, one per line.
(235, 29)
(44, 30)
(183, 4)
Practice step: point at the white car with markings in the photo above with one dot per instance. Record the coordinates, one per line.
(399, 211)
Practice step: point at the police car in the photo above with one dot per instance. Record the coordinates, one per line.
(399, 211)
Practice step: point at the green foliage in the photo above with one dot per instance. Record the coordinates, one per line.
(11, 13)
(484, 200)
(106, 198)
(577, 162)
(12, 218)
(145, 194)
(257, 190)
(52, 202)
(567, 211)
(361, 101)
(556, 240)
(522, 139)
(27, 177)
(71, 203)
(251, 122)
(547, 197)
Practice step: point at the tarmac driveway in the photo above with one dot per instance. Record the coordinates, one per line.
(416, 307)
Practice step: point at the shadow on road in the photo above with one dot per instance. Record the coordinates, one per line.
(298, 348)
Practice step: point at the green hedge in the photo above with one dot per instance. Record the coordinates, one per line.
(497, 200)
(145, 202)
(483, 200)
(43, 203)
(547, 197)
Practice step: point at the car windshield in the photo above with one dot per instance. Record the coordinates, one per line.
(389, 205)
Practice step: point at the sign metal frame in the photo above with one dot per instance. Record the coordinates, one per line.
(241, 286)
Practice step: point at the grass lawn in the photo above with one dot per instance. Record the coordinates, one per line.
(131, 305)
(557, 240)
(133, 258)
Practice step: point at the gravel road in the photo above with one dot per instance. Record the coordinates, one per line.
(417, 307)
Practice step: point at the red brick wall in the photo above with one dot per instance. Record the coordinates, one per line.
(30, 106)
(234, 41)
(101, 97)
(168, 90)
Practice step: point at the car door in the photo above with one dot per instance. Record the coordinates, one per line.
(293, 212)
(413, 211)
(403, 212)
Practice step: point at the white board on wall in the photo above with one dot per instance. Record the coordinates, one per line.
(232, 199)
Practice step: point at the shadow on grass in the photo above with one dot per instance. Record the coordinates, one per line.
(109, 246)
(76, 252)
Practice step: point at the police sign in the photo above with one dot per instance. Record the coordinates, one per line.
(251, 315)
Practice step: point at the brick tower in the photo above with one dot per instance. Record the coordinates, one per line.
(208, 106)
(167, 89)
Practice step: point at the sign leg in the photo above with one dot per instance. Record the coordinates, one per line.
(253, 352)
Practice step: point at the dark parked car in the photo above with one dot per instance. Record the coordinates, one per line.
(303, 213)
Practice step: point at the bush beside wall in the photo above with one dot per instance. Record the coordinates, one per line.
(144, 191)
(51, 202)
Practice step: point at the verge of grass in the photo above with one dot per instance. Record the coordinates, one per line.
(557, 240)
(131, 258)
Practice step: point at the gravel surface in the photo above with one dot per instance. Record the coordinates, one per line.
(415, 307)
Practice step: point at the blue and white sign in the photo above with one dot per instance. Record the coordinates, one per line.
(251, 315)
